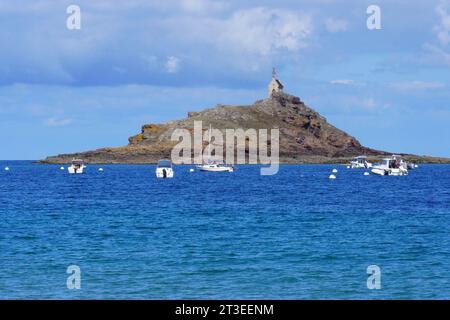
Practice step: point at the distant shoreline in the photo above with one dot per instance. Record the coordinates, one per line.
(305, 137)
(40, 162)
(285, 161)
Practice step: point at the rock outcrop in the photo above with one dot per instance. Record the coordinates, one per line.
(305, 135)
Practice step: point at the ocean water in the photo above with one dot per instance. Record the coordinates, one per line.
(294, 235)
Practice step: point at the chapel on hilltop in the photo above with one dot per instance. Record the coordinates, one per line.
(275, 85)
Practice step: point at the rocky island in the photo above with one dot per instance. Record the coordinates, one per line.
(305, 135)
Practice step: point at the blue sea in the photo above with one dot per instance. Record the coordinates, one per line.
(294, 235)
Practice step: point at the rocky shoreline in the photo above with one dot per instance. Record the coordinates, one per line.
(305, 136)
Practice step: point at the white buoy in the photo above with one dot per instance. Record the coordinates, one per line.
(62, 168)
(348, 167)
(416, 166)
(335, 171)
(332, 177)
(6, 169)
(191, 170)
(101, 169)
(366, 173)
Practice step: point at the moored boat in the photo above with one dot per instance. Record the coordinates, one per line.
(77, 167)
(215, 167)
(164, 169)
(393, 166)
(360, 162)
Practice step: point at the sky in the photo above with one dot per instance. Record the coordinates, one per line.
(145, 61)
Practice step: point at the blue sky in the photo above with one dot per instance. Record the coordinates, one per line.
(138, 62)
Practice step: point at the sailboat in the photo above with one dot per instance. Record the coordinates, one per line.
(214, 166)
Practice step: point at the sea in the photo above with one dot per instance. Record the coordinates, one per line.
(121, 233)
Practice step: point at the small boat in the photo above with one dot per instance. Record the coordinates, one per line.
(77, 167)
(360, 162)
(393, 166)
(411, 165)
(164, 169)
(211, 165)
(215, 166)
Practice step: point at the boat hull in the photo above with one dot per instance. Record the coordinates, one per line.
(73, 170)
(361, 166)
(215, 169)
(164, 173)
(389, 172)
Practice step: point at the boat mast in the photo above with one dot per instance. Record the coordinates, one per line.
(209, 144)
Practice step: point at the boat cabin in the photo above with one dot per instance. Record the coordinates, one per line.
(77, 163)
(391, 163)
(164, 164)
(360, 159)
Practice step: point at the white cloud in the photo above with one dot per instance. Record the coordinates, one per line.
(372, 105)
(264, 30)
(202, 6)
(336, 25)
(416, 85)
(247, 39)
(58, 122)
(442, 30)
(369, 104)
(172, 64)
(345, 82)
(205, 37)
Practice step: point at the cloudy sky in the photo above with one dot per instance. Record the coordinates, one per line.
(145, 61)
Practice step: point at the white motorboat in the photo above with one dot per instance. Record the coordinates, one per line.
(77, 167)
(360, 162)
(393, 166)
(214, 166)
(164, 169)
